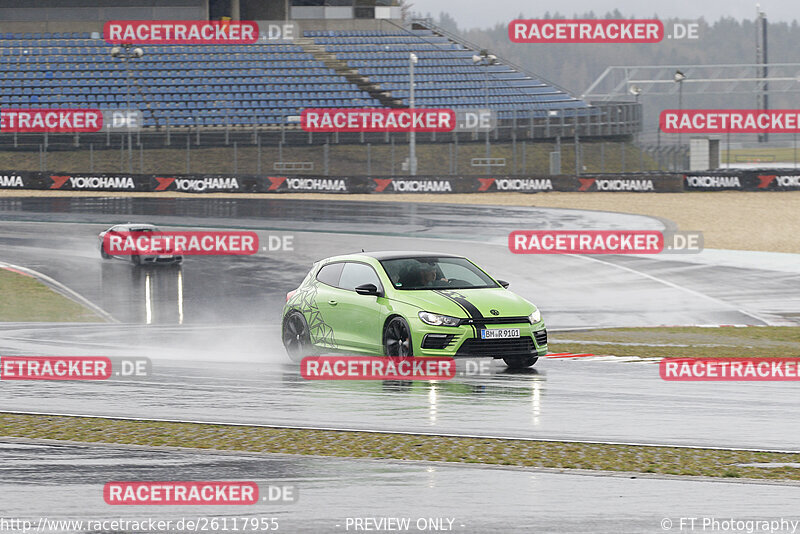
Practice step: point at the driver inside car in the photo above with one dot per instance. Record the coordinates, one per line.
(429, 276)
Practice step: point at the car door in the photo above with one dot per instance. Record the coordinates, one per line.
(323, 308)
(358, 320)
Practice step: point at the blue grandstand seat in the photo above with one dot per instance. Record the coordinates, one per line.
(222, 84)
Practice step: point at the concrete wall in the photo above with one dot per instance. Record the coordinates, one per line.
(343, 12)
(18, 16)
(347, 24)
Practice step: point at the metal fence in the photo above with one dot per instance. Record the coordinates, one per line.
(600, 142)
(186, 153)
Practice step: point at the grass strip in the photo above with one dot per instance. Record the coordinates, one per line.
(683, 342)
(25, 299)
(348, 444)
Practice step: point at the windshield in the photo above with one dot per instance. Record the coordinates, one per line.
(435, 273)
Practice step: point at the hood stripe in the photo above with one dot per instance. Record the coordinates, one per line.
(471, 310)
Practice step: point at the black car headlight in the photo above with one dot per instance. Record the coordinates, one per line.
(434, 319)
(535, 317)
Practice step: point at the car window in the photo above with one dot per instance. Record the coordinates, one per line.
(435, 273)
(356, 274)
(329, 274)
(455, 271)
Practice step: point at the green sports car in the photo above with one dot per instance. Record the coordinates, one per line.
(410, 304)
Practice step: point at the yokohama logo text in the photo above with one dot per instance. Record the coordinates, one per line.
(315, 184)
(714, 182)
(226, 184)
(7, 181)
(93, 182)
(425, 186)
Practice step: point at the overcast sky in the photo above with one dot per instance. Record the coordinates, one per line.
(484, 13)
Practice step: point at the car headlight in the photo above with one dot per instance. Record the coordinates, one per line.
(434, 319)
(535, 317)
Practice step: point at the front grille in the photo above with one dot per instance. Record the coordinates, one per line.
(522, 346)
(495, 320)
(437, 341)
(541, 337)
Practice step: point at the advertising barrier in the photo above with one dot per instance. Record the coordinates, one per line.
(744, 180)
(734, 180)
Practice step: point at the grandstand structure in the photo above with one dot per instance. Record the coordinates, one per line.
(256, 92)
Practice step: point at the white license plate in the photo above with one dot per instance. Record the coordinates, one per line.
(165, 256)
(499, 333)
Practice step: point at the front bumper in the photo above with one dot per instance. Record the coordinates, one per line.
(465, 341)
(170, 259)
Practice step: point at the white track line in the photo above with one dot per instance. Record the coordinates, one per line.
(672, 285)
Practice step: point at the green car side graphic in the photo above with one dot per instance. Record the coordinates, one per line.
(410, 304)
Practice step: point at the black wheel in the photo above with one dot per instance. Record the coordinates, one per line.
(103, 254)
(135, 259)
(520, 362)
(296, 336)
(397, 338)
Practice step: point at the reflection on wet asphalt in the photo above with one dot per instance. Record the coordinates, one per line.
(65, 482)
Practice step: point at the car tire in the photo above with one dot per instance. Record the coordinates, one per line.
(520, 362)
(135, 259)
(397, 339)
(296, 336)
(103, 254)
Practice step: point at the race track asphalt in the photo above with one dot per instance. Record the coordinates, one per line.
(211, 329)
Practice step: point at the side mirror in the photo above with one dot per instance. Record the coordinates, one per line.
(368, 289)
(503, 283)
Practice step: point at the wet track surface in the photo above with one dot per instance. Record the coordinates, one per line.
(211, 326)
(581, 399)
(333, 490)
(59, 240)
